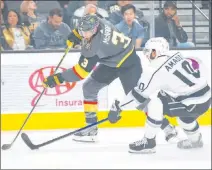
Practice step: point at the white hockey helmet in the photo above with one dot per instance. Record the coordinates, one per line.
(158, 44)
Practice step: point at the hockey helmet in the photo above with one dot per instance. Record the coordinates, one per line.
(158, 44)
(88, 22)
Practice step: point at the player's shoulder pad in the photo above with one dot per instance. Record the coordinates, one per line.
(157, 63)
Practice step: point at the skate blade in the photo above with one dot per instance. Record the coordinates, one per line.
(146, 151)
(191, 147)
(85, 139)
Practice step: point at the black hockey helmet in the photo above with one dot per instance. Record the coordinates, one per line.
(88, 22)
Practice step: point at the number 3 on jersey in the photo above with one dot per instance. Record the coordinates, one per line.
(84, 63)
(188, 68)
(120, 38)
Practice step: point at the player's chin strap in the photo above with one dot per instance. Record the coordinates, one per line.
(8, 146)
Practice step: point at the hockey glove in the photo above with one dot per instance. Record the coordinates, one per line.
(53, 80)
(74, 38)
(115, 111)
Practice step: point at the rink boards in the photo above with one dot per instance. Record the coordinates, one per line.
(62, 107)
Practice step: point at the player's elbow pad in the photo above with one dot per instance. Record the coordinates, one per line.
(74, 38)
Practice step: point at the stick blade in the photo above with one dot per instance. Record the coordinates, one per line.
(6, 146)
(28, 142)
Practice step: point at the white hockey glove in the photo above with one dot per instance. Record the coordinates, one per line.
(114, 113)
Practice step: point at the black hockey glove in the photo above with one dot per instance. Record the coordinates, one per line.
(74, 38)
(115, 111)
(53, 80)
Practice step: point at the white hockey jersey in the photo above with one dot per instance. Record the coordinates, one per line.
(182, 78)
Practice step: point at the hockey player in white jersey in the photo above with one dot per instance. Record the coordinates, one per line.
(182, 91)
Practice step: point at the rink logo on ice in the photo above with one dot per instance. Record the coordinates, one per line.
(37, 77)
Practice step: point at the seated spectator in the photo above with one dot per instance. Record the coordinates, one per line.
(72, 7)
(167, 25)
(52, 33)
(92, 9)
(80, 12)
(29, 16)
(16, 36)
(115, 12)
(3, 12)
(104, 4)
(64, 6)
(129, 26)
(112, 6)
(116, 17)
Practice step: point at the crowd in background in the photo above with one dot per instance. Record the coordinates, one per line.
(27, 27)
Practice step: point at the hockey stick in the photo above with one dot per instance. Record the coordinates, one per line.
(8, 146)
(32, 146)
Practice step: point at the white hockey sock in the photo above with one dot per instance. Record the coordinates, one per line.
(151, 131)
(154, 118)
(191, 129)
(168, 129)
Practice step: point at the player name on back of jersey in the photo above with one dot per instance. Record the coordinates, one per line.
(173, 61)
(107, 34)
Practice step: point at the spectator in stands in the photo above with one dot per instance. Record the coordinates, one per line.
(104, 4)
(92, 9)
(115, 12)
(72, 7)
(3, 12)
(64, 6)
(52, 33)
(16, 36)
(29, 15)
(112, 6)
(116, 17)
(167, 25)
(129, 26)
(80, 12)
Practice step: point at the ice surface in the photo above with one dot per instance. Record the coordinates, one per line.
(110, 152)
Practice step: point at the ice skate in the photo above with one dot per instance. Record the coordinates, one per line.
(189, 144)
(171, 134)
(87, 135)
(144, 146)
